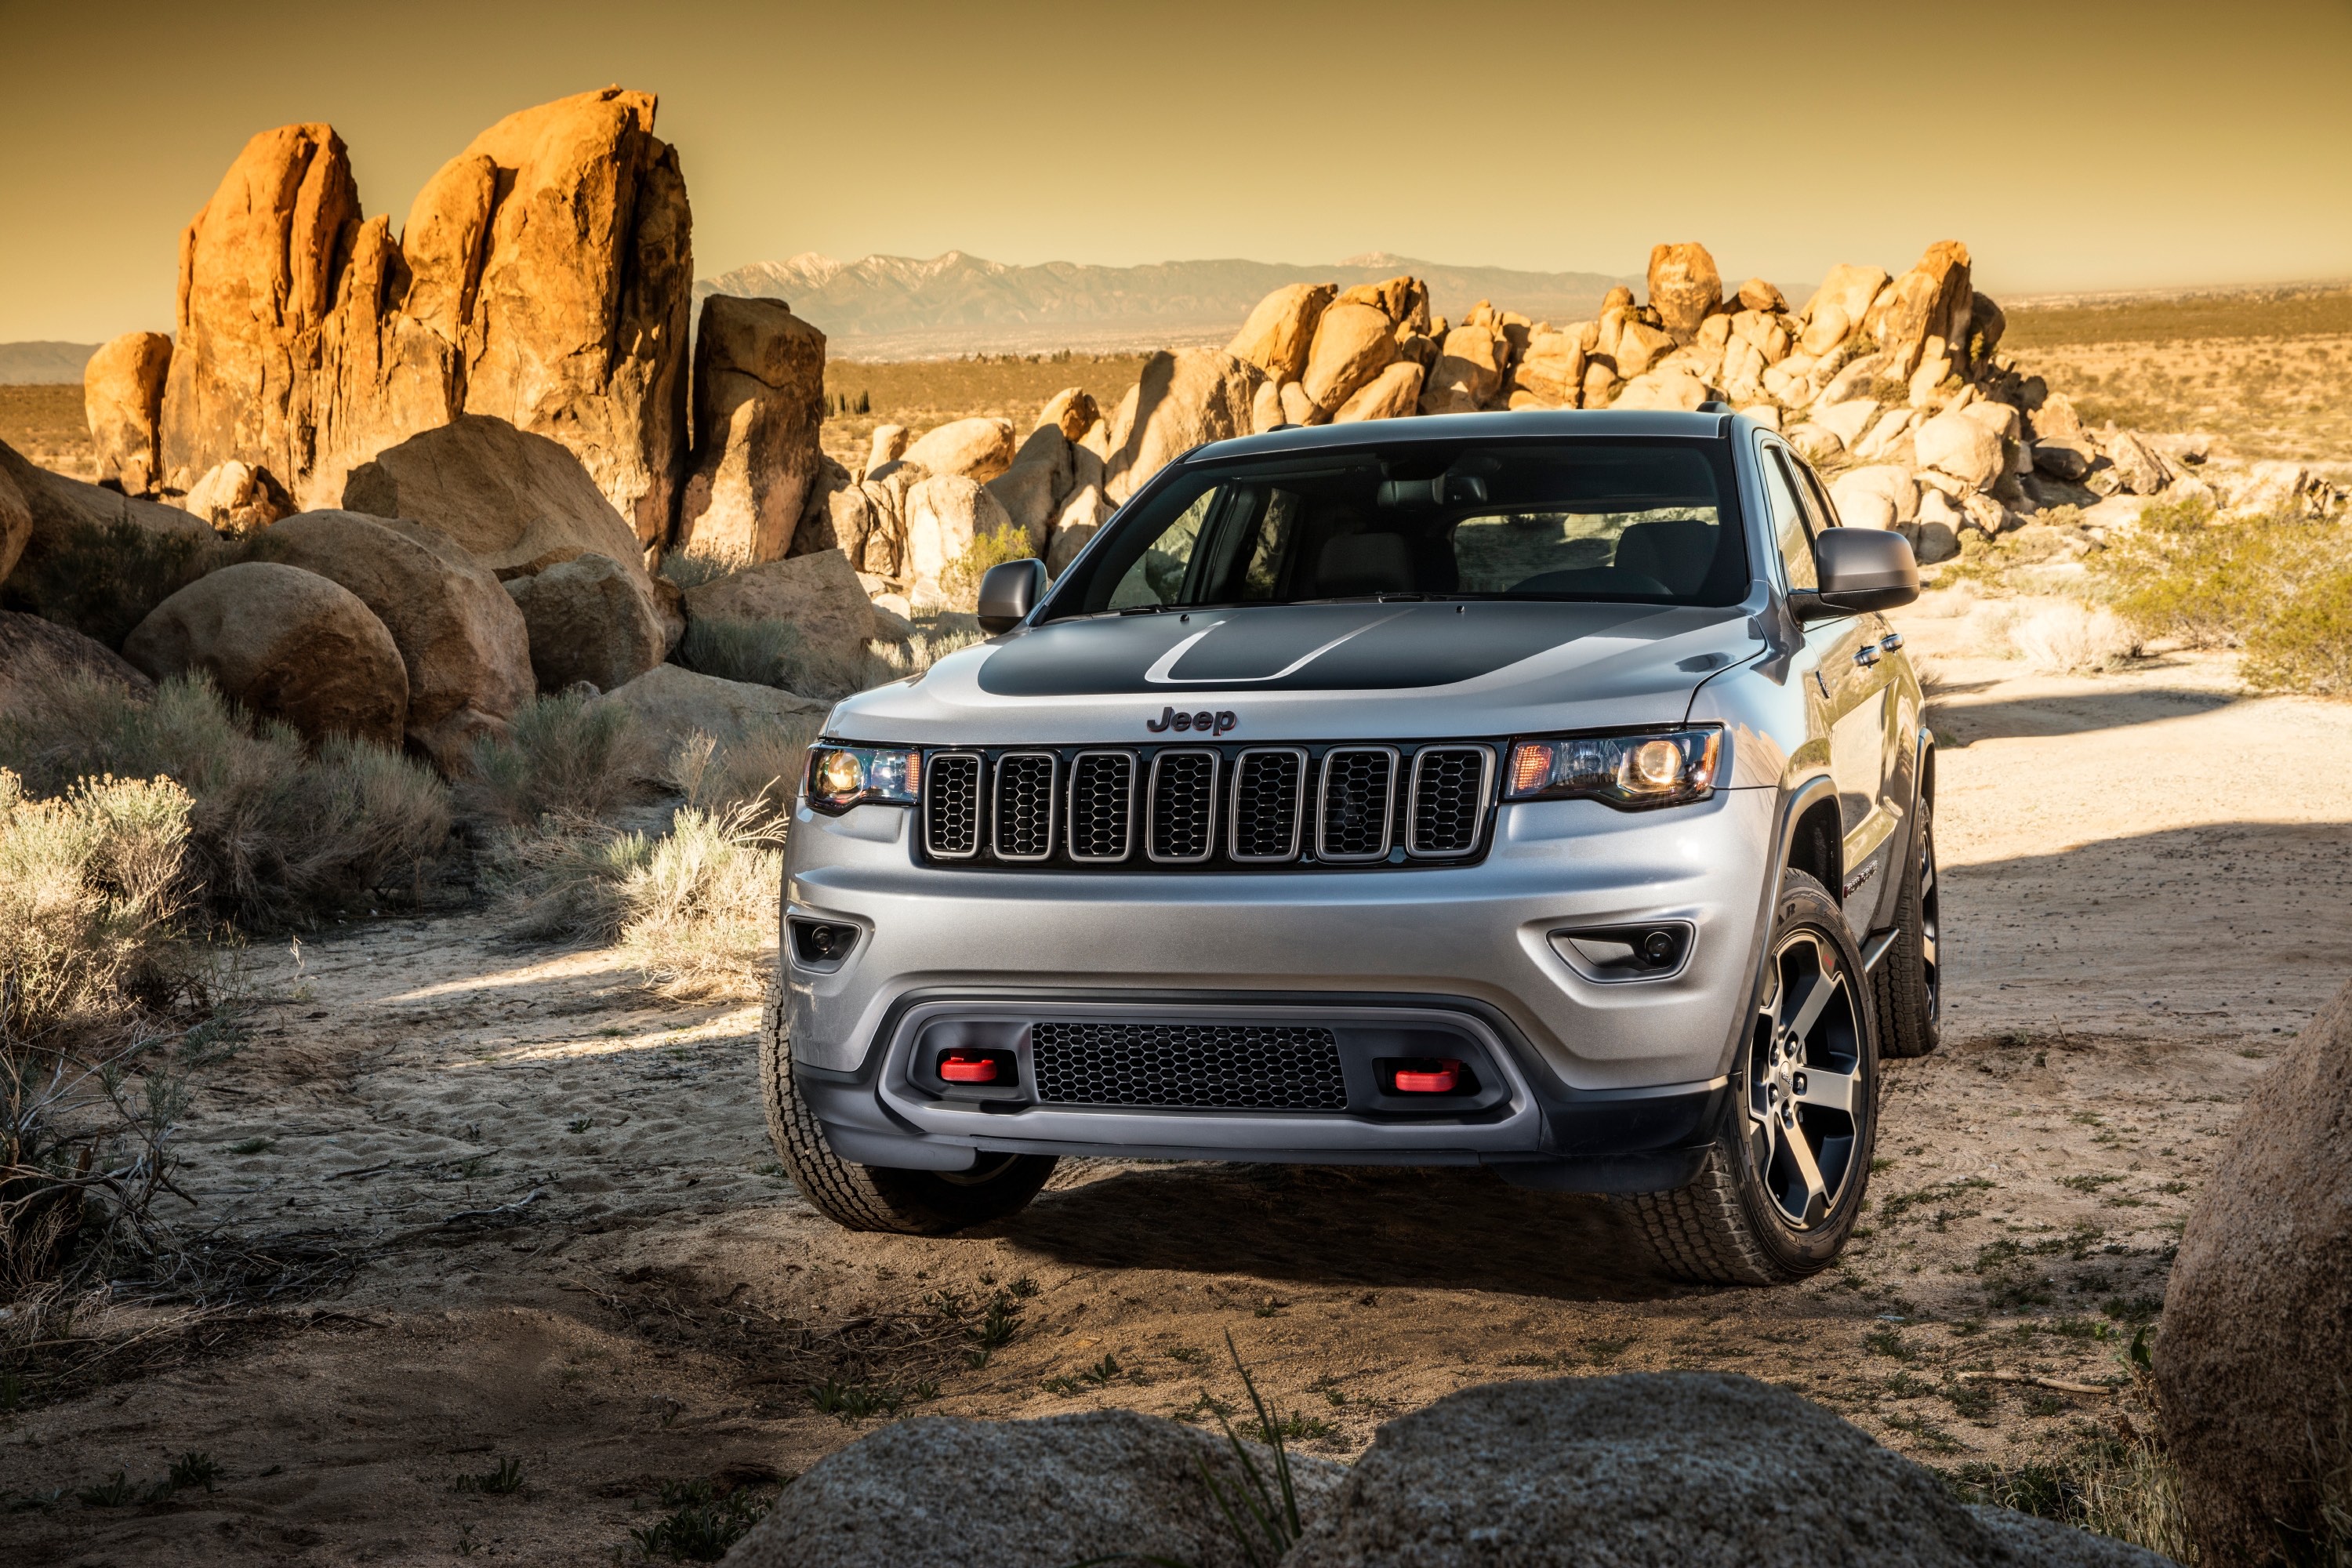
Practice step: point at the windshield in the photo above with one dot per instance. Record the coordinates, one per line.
(1643, 522)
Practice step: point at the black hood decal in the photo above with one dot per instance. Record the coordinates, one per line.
(1309, 648)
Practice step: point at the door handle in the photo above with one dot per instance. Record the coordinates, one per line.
(1891, 641)
(1867, 656)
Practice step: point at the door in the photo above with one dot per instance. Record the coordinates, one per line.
(1845, 667)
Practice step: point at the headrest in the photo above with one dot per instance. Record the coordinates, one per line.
(1363, 564)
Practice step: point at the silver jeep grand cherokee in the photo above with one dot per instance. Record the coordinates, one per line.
(1536, 791)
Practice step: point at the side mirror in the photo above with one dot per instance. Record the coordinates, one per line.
(1010, 592)
(1861, 570)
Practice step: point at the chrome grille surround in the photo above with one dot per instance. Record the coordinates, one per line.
(1355, 803)
(1447, 810)
(1269, 806)
(1025, 801)
(1181, 812)
(1101, 813)
(951, 804)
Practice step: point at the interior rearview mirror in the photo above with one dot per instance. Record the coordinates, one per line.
(1010, 592)
(1860, 570)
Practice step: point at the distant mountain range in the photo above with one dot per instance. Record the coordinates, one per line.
(22, 363)
(896, 307)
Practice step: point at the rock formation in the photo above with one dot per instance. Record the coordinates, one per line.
(669, 704)
(286, 644)
(15, 524)
(122, 399)
(758, 400)
(592, 620)
(36, 655)
(978, 450)
(1685, 289)
(88, 557)
(819, 595)
(238, 499)
(1183, 399)
(461, 638)
(544, 277)
(2250, 1366)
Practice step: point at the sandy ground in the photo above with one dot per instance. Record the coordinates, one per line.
(568, 1244)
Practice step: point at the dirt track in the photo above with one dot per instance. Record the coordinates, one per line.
(569, 1245)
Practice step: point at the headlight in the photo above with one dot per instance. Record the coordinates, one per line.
(842, 776)
(1660, 767)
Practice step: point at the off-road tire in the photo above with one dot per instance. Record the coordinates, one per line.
(1907, 989)
(873, 1197)
(1724, 1227)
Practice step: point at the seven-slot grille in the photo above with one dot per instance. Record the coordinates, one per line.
(1201, 1067)
(1227, 807)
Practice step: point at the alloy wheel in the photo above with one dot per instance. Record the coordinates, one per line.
(1806, 1097)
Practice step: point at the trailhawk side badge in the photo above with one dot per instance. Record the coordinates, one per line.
(1216, 723)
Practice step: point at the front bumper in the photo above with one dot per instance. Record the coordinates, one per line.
(1621, 1077)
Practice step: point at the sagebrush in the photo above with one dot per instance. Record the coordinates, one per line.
(2276, 584)
(565, 755)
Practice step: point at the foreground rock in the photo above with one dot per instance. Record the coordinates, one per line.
(669, 705)
(1692, 1469)
(461, 638)
(286, 644)
(758, 400)
(36, 656)
(2258, 1314)
(944, 1492)
(819, 595)
(122, 399)
(88, 557)
(589, 620)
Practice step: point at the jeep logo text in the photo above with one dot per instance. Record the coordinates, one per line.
(1216, 723)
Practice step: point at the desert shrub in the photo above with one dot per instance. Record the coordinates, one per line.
(693, 568)
(761, 769)
(924, 649)
(2305, 643)
(566, 756)
(2127, 1490)
(277, 835)
(103, 579)
(2057, 635)
(89, 883)
(960, 581)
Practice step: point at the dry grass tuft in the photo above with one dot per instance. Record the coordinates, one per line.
(2058, 636)
(563, 755)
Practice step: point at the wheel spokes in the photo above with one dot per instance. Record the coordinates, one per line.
(1828, 1088)
(1809, 1012)
(1809, 1171)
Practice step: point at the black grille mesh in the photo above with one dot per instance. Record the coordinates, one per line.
(951, 803)
(1449, 787)
(1184, 805)
(1357, 800)
(1102, 805)
(1024, 805)
(1205, 1066)
(1265, 805)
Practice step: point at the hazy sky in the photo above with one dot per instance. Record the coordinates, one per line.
(2072, 145)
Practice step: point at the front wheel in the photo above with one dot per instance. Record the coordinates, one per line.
(874, 1197)
(1782, 1183)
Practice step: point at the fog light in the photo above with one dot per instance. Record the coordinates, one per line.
(823, 941)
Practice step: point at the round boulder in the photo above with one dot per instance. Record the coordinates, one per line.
(979, 449)
(590, 619)
(1352, 343)
(460, 635)
(1961, 447)
(285, 643)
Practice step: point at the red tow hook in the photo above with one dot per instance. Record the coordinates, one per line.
(1437, 1078)
(956, 1068)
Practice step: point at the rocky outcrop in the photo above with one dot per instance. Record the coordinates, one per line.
(122, 399)
(1697, 1469)
(544, 277)
(1392, 394)
(978, 449)
(758, 403)
(1353, 342)
(819, 595)
(1032, 491)
(88, 557)
(944, 514)
(461, 638)
(669, 704)
(1924, 312)
(1280, 332)
(514, 502)
(37, 655)
(2258, 1313)
(1072, 411)
(590, 620)
(1181, 400)
(1685, 289)
(945, 1492)
(287, 645)
(238, 499)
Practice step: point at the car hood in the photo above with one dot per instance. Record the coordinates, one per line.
(1309, 672)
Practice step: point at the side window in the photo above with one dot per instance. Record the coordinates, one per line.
(1824, 513)
(1790, 528)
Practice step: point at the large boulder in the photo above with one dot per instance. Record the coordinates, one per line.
(886, 445)
(1281, 330)
(670, 704)
(1033, 489)
(1402, 300)
(1640, 346)
(1879, 495)
(122, 399)
(1550, 375)
(1392, 394)
(36, 655)
(1685, 287)
(2138, 468)
(544, 275)
(1183, 399)
(1933, 299)
(589, 620)
(1691, 1469)
(514, 502)
(16, 523)
(948, 1492)
(287, 644)
(1469, 370)
(946, 514)
(820, 594)
(1848, 288)
(1956, 445)
(1671, 388)
(978, 449)
(1353, 342)
(2258, 1313)
(461, 638)
(88, 557)
(758, 403)
(1072, 411)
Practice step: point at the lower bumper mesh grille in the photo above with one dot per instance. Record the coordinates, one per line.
(1201, 1067)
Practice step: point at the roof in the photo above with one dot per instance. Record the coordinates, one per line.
(1468, 427)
